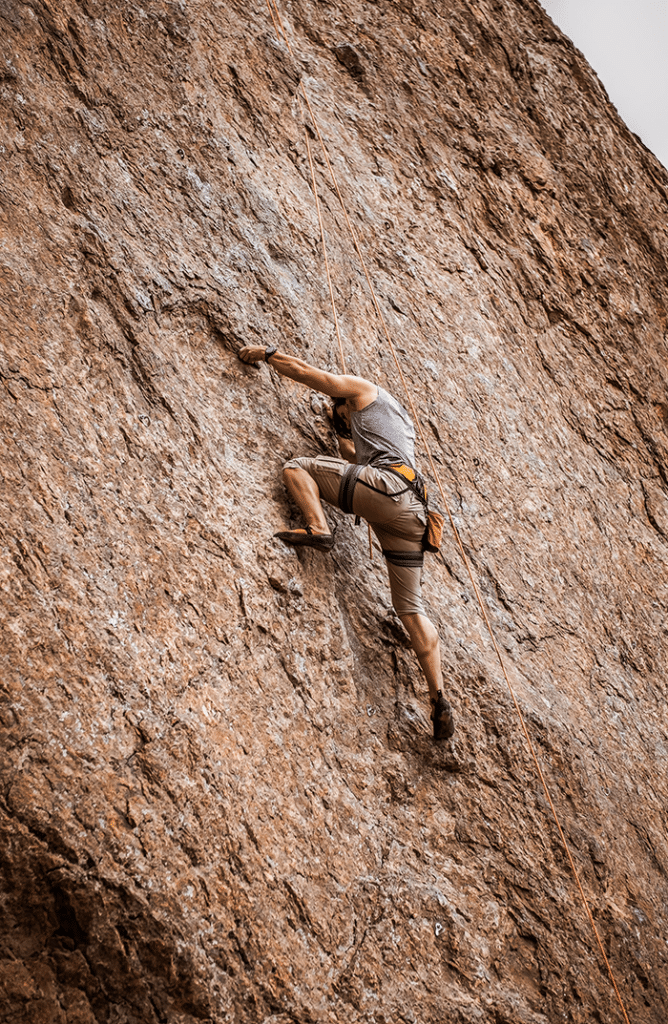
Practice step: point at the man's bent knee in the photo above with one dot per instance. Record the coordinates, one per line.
(419, 621)
(422, 631)
(323, 470)
(300, 463)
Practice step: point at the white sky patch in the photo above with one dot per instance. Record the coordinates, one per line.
(626, 42)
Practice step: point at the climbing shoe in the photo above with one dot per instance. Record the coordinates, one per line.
(307, 539)
(441, 716)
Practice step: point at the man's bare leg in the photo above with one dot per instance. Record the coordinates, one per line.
(304, 490)
(427, 647)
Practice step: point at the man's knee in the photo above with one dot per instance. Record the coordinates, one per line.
(296, 464)
(423, 633)
(298, 472)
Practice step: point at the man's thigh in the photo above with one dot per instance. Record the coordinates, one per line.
(404, 559)
(406, 589)
(326, 471)
(390, 507)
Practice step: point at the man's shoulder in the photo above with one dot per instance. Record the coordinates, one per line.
(366, 395)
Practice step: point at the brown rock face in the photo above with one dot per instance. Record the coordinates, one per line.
(220, 800)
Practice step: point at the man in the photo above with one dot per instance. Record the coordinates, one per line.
(380, 434)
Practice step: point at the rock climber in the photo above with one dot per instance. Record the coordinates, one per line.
(374, 432)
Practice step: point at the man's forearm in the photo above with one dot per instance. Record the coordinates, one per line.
(295, 369)
(336, 385)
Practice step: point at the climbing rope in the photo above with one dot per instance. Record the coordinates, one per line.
(280, 30)
(324, 244)
(329, 276)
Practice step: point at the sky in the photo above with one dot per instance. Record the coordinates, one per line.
(626, 43)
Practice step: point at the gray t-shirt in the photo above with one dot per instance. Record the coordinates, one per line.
(383, 433)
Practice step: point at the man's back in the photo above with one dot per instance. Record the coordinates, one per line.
(383, 433)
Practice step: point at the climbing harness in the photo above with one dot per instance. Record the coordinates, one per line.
(433, 534)
(347, 486)
(431, 540)
(280, 30)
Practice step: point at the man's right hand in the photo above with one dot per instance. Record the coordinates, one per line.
(252, 353)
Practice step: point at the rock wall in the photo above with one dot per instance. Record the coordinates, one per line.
(219, 798)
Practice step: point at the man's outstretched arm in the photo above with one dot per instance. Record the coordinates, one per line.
(359, 391)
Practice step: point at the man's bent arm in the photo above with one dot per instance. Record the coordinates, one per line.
(347, 449)
(336, 385)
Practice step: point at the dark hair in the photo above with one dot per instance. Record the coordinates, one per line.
(341, 428)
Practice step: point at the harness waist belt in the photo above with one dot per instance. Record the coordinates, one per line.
(406, 559)
(414, 479)
(406, 471)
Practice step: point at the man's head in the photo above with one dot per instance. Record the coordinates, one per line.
(341, 417)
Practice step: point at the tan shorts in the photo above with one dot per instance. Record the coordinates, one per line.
(397, 519)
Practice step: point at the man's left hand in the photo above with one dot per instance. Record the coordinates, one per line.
(252, 354)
